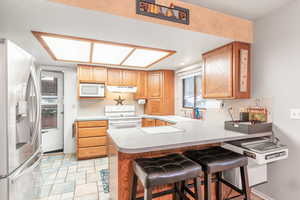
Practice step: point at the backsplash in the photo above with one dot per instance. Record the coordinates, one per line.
(92, 108)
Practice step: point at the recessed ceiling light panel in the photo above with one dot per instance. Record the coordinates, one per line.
(81, 50)
(68, 49)
(110, 54)
(145, 57)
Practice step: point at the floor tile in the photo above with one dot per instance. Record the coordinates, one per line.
(66, 196)
(63, 188)
(85, 189)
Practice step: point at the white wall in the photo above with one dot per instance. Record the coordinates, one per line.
(70, 104)
(276, 73)
(88, 108)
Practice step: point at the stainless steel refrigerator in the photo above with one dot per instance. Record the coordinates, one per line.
(20, 151)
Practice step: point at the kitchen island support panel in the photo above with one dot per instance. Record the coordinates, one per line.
(121, 172)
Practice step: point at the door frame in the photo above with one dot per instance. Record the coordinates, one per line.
(63, 105)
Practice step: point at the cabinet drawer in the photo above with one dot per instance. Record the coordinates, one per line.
(83, 124)
(92, 132)
(91, 141)
(91, 152)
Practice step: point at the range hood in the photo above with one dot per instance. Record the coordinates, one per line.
(122, 89)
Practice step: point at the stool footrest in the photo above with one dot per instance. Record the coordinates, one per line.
(238, 197)
(158, 194)
(166, 192)
(186, 189)
(232, 186)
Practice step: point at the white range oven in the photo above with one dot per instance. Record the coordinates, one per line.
(122, 116)
(92, 90)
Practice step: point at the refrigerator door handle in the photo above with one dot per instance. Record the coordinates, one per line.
(37, 117)
(27, 170)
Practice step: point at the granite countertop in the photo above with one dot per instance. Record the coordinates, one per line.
(194, 132)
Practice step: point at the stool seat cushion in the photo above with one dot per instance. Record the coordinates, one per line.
(166, 169)
(217, 159)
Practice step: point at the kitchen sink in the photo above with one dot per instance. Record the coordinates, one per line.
(161, 130)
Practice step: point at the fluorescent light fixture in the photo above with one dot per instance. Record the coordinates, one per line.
(144, 57)
(110, 54)
(81, 50)
(67, 49)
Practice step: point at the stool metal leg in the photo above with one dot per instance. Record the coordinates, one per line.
(148, 194)
(134, 187)
(197, 186)
(219, 186)
(245, 182)
(207, 186)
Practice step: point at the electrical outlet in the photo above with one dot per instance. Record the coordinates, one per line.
(295, 113)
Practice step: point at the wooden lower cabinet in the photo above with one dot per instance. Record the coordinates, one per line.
(91, 139)
(147, 122)
(160, 123)
(91, 152)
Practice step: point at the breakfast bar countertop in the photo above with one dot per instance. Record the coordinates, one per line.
(182, 134)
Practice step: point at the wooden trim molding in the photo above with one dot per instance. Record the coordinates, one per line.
(39, 35)
(202, 19)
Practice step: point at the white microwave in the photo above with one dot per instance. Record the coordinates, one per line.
(92, 90)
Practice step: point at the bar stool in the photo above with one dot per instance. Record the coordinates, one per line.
(216, 160)
(169, 169)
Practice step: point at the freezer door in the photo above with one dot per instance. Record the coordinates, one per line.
(22, 108)
(4, 188)
(22, 182)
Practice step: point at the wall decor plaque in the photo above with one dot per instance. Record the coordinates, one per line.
(172, 13)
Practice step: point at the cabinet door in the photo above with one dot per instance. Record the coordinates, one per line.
(99, 74)
(218, 73)
(154, 107)
(148, 122)
(114, 77)
(160, 123)
(129, 78)
(141, 92)
(155, 84)
(85, 73)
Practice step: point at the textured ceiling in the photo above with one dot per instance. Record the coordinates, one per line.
(18, 18)
(249, 9)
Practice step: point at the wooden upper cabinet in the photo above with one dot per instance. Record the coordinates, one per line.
(160, 97)
(114, 77)
(99, 74)
(218, 73)
(155, 84)
(120, 77)
(226, 72)
(141, 92)
(91, 74)
(129, 77)
(154, 107)
(85, 73)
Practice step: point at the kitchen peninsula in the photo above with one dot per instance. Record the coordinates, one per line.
(126, 145)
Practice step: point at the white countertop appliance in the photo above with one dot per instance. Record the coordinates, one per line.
(122, 116)
(20, 150)
(92, 90)
(260, 152)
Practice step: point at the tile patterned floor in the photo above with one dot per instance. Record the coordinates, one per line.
(62, 177)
